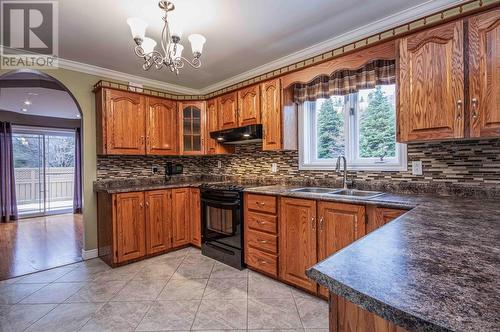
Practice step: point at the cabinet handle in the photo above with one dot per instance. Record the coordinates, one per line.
(321, 224)
(459, 108)
(474, 107)
(147, 204)
(260, 203)
(313, 223)
(262, 262)
(142, 140)
(261, 222)
(141, 205)
(262, 241)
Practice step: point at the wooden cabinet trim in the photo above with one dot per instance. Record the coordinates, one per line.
(249, 108)
(161, 134)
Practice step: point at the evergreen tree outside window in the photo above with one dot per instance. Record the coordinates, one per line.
(361, 126)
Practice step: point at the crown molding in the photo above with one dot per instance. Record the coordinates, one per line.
(389, 22)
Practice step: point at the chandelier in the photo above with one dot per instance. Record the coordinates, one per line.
(171, 57)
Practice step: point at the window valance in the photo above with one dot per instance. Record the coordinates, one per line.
(343, 82)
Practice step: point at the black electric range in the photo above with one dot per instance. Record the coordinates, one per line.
(222, 222)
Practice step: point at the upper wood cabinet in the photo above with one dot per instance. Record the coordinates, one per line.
(180, 217)
(192, 128)
(161, 126)
(271, 115)
(338, 226)
(297, 241)
(130, 226)
(212, 124)
(484, 74)
(249, 106)
(158, 221)
(121, 122)
(228, 110)
(431, 84)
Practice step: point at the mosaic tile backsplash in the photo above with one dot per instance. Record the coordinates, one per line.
(470, 164)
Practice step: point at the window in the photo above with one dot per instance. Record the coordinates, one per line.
(361, 126)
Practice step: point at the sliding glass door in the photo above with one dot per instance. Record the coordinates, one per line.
(44, 165)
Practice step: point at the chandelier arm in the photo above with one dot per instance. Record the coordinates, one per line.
(195, 63)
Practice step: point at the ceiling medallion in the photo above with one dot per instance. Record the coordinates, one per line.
(170, 44)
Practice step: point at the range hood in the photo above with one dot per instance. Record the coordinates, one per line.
(240, 135)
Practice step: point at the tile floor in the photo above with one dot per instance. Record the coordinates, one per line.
(178, 291)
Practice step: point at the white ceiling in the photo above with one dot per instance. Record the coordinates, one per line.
(241, 34)
(44, 102)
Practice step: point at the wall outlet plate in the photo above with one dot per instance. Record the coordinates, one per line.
(274, 167)
(416, 167)
(219, 164)
(155, 169)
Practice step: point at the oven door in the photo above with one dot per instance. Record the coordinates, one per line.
(221, 218)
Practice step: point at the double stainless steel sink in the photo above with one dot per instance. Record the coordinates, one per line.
(339, 192)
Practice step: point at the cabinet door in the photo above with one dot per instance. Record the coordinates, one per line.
(431, 84)
(161, 138)
(158, 221)
(249, 106)
(130, 226)
(379, 216)
(125, 123)
(213, 147)
(271, 115)
(297, 241)
(195, 208)
(228, 111)
(339, 225)
(484, 74)
(180, 217)
(192, 128)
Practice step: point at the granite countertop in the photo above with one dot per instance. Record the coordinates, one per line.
(435, 268)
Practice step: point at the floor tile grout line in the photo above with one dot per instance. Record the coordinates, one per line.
(48, 312)
(297, 309)
(202, 295)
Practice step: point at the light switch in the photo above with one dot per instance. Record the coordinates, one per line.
(416, 167)
(274, 167)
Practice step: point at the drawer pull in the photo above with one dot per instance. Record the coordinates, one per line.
(261, 222)
(262, 241)
(260, 203)
(263, 262)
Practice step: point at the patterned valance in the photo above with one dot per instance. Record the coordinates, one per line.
(343, 82)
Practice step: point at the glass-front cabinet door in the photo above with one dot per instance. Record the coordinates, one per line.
(192, 119)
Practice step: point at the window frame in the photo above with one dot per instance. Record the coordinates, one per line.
(308, 144)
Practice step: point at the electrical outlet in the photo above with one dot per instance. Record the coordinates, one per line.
(416, 167)
(219, 164)
(274, 167)
(154, 169)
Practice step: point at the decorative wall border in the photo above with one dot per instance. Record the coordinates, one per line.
(454, 12)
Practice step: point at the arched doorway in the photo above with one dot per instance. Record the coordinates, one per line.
(45, 225)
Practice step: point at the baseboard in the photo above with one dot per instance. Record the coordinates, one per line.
(89, 254)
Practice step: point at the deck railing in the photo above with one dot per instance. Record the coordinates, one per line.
(60, 184)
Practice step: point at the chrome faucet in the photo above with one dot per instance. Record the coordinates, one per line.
(337, 169)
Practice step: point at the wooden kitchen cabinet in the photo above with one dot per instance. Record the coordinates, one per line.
(161, 127)
(379, 216)
(195, 218)
(345, 316)
(271, 115)
(181, 215)
(130, 226)
(484, 74)
(192, 128)
(339, 225)
(249, 106)
(431, 84)
(212, 146)
(121, 123)
(158, 221)
(297, 241)
(227, 106)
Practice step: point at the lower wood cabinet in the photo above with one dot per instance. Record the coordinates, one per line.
(158, 221)
(297, 241)
(379, 216)
(195, 208)
(130, 226)
(180, 217)
(135, 225)
(348, 317)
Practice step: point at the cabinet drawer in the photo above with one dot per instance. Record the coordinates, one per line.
(261, 261)
(262, 222)
(262, 241)
(262, 203)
